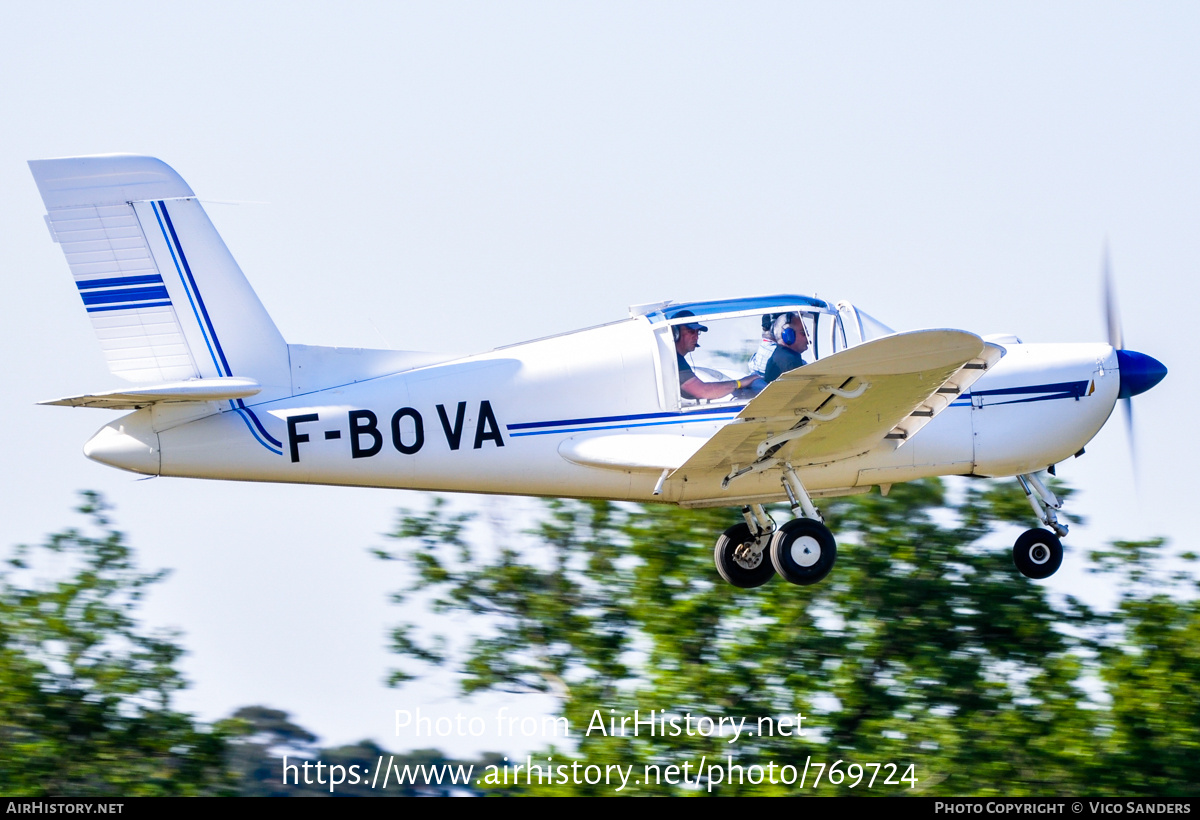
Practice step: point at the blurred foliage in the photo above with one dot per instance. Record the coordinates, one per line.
(85, 694)
(924, 646)
(268, 741)
(1151, 670)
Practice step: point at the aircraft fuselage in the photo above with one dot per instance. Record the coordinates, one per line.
(513, 420)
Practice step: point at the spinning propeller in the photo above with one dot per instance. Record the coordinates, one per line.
(1139, 372)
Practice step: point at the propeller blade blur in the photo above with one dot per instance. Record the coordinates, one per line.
(1111, 311)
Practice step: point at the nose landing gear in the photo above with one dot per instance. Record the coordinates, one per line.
(1043, 501)
(1038, 553)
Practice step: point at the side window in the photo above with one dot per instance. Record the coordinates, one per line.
(729, 350)
(830, 335)
(720, 353)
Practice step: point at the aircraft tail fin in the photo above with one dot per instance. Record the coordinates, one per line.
(166, 298)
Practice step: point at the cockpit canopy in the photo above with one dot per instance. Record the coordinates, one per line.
(734, 331)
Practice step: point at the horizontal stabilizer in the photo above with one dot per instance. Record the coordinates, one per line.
(217, 389)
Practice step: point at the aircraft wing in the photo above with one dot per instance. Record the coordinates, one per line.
(846, 404)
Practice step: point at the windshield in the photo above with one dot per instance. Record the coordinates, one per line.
(859, 326)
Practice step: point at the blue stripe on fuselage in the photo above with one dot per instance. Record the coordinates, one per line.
(1058, 390)
(617, 422)
(635, 417)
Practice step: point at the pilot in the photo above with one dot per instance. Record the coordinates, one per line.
(792, 340)
(687, 339)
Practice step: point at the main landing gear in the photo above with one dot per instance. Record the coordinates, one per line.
(802, 550)
(741, 555)
(1038, 553)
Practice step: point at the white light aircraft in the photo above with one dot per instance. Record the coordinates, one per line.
(617, 412)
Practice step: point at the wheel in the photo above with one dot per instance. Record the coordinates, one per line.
(1038, 553)
(737, 561)
(803, 551)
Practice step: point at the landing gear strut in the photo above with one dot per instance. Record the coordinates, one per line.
(1043, 501)
(804, 550)
(1038, 553)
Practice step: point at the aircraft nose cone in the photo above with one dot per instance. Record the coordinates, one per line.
(1139, 372)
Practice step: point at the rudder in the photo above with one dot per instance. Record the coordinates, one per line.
(167, 300)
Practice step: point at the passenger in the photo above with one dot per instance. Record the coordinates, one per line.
(758, 362)
(792, 338)
(687, 339)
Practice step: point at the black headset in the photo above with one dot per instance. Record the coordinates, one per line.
(675, 329)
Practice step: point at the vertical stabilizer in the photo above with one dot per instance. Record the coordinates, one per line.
(166, 298)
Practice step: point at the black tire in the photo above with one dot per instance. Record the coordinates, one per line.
(1038, 553)
(803, 551)
(741, 573)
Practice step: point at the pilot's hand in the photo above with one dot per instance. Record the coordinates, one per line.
(749, 387)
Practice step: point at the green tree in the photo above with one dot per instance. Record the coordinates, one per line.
(924, 647)
(263, 735)
(1151, 671)
(270, 752)
(85, 692)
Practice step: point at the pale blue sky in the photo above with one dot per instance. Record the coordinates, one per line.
(463, 175)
